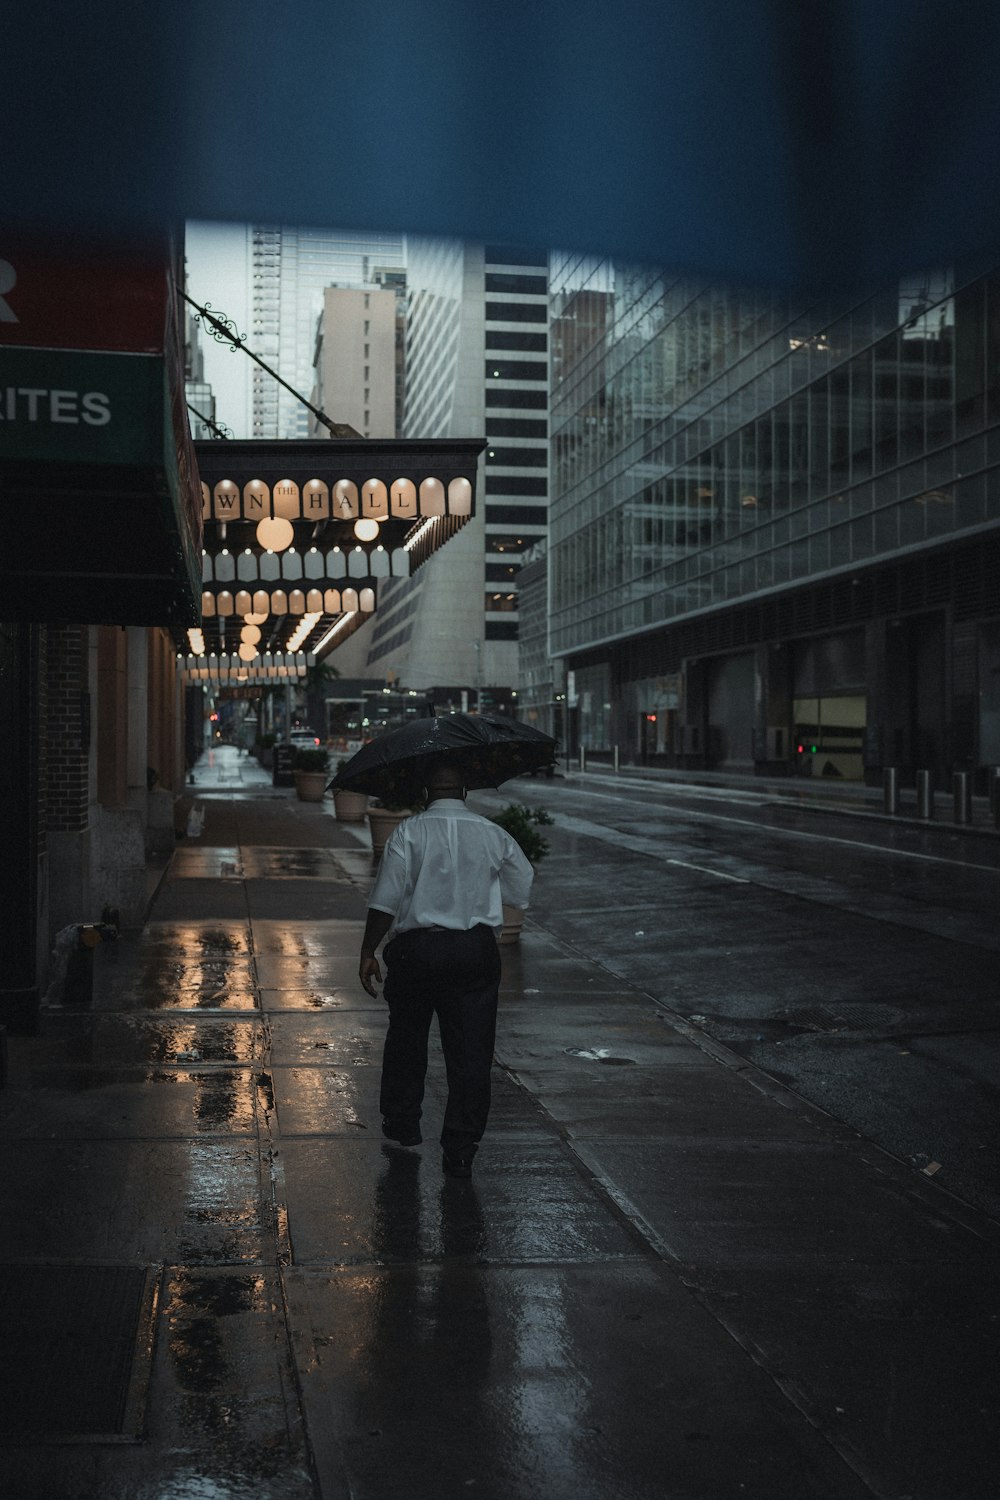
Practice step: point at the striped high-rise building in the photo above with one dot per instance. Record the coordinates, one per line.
(476, 364)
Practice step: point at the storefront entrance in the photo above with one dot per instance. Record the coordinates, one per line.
(828, 735)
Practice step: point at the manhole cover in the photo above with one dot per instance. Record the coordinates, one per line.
(77, 1343)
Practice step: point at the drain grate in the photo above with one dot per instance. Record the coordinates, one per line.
(75, 1351)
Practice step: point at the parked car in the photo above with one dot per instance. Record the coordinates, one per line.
(304, 739)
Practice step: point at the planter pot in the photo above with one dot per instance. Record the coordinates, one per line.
(310, 785)
(266, 756)
(513, 921)
(381, 822)
(350, 807)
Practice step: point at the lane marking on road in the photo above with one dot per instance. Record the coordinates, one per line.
(720, 874)
(792, 833)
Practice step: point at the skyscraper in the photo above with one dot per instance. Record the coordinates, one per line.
(775, 530)
(289, 269)
(476, 363)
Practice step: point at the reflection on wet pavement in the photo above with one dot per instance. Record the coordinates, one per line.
(196, 939)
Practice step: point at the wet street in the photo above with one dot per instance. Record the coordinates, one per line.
(733, 1227)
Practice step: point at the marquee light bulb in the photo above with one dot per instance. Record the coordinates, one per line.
(275, 533)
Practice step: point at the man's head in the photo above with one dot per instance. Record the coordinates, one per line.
(443, 780)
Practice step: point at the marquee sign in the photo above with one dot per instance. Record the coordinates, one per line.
(357, 511)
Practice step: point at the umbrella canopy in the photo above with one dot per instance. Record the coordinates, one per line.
(486, 748)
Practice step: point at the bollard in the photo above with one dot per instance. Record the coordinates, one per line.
(925, 795)
(583, 759)
(890, 789)
(614, 760)
(961, 789)
(995, 795)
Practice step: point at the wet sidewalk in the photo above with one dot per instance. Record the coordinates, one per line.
(669, 1277)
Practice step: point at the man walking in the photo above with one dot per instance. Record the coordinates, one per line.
(440, 886)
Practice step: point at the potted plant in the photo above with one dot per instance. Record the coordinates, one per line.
(310, 774)
(383, 815)
(522, 823)
(264, 750)
(350, 807)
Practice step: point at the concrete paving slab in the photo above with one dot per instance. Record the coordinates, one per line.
(691, 1098)
(118, 1039)
(165, 974)
(562, 1383)
(92, 1102)
(187, 898)
(832, 1205)
(353, 1202)
(330, 938)
(345, 1039)
(204, 939)
(218, 862)
(536, 967)
(912, 1424)
(219, 1422)
(338, 997)
(304, 900)
(291, 864)
(196, 1201)
(602, 1030)
(323, 972)
(327, 1101)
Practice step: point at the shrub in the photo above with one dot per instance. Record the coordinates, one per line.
(314, 759)
(389, 805)
(265, 741)
(522, 824)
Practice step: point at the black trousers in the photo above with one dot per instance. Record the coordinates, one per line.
(456, 975)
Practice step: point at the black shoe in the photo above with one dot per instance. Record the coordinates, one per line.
(403, 1135)
(457, 1166)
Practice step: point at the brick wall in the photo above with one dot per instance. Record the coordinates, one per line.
(66, 737)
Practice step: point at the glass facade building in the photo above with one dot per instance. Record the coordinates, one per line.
(749, 492)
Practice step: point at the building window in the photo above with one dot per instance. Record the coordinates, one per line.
(516, 369)
(510, 281)
(539, 342)
(497, 396)
(517, 515)
(519, 458)
(514, 255)
(515, 484)
(517, 312)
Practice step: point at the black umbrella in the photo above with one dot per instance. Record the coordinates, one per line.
(486, 748)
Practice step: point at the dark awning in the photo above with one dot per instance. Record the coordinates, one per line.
(99, 491)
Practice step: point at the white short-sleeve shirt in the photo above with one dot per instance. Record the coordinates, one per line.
(449, 867)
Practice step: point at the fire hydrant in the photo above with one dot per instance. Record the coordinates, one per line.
(78, 987)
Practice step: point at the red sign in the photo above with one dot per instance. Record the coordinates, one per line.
(78, 296)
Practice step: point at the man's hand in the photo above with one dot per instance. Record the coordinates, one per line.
(376, 927)
(370, 973)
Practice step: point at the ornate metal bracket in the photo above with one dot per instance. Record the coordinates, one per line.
(224, 331)
(218, 428)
